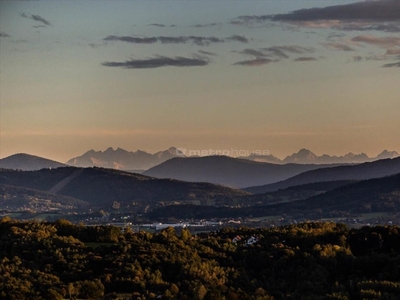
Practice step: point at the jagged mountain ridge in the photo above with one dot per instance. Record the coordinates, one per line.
(305, 156)
(123, 160)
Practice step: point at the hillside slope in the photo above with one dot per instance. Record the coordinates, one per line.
(104, 187)
(373, 195)
(376, 169)
(226, 170)
(28, 162)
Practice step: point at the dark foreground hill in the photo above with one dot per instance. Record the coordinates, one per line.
(374, 195)
(27, 162)
(306, 261)
(226, 170)
(376, 169)
(107, 187)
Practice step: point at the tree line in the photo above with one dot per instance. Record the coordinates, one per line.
(315, 260)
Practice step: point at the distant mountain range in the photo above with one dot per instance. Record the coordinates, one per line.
(123, 160)
(140, 161)
(27, 162)
(228, 171)
(376, 169)
(305, 156)
(107, 188)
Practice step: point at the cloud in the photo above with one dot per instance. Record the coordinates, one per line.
(206, 25)
(385, 42)
(370, 10)
(253, 52)
(247, 20)
(238, 38)
(254, 62)
(281, 51)
(197, 40)
(36, 18)
(276, 51)
(338, 46)
(159, 61)
(367, 26)
(207, 53)
(393, 51)
(161, 25)
(129, 39)
(3, 34)
(392, 65)
(305, 59)
(383, 15)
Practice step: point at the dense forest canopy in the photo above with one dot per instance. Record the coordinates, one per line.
(42, 260)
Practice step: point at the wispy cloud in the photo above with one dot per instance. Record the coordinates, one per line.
(36, 18)
(276, 51)
(338, 46)
(392, 65)
(368, 26)
(385, 42)
(161, 25)
(238, 38)
(197, 40)
(206, 25)
(248, 20)
(3, 34)
(207, 53)
(254, 62)
(159, 61)
(392, 51)
(305, 59)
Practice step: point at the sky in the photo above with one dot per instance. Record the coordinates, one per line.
(273, 76)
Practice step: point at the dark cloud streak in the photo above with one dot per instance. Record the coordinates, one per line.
(371, 10)
(36, 18)
(305, 59)
(254, 62)
(159, 61)
(197, 40)
(392, 65)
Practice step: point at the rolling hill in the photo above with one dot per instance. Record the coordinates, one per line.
(293, 193)
(27, 162)
(373, 195)
(107, 187)
(19, 198)
(376, 169)
(226, 170)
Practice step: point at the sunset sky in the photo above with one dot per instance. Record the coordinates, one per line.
(247, 75)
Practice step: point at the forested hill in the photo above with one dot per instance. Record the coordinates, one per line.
(103, 187)
(306, 261)
(369, 170)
